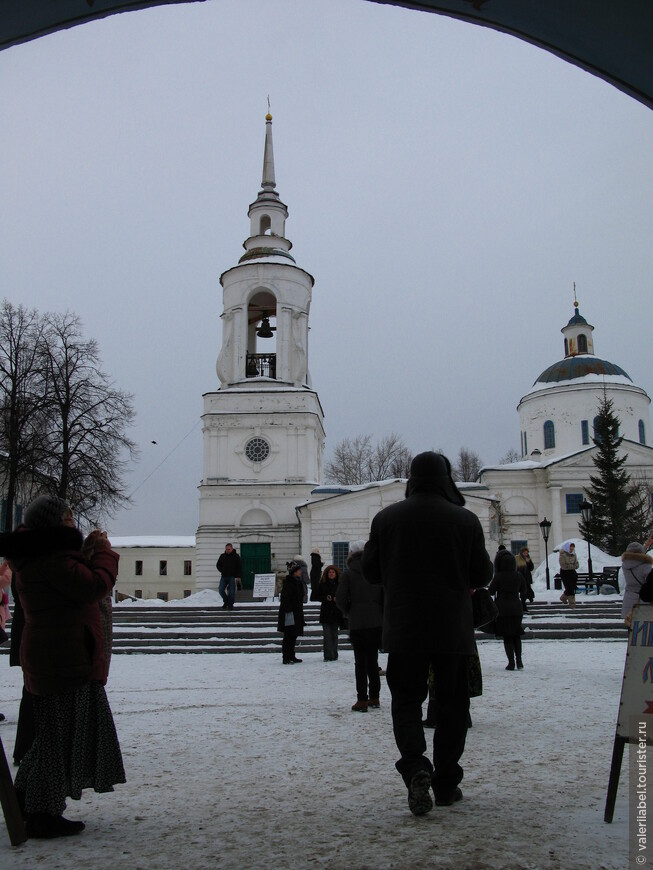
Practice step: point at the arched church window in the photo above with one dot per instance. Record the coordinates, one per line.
(566, 347)
(266, 223)
(257, 449)
(642, 432)
(549, 435)
(582, 343)
(595, 423)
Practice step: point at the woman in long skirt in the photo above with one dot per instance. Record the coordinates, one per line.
(64, 665)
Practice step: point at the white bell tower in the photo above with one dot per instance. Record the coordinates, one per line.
(263, 427)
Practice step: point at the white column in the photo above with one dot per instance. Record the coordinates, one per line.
(556, 516)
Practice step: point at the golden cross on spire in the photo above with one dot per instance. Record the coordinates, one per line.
(268, 117)
(575, 300)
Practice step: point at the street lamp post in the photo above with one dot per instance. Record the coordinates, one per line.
(586, 511)
(545, 525)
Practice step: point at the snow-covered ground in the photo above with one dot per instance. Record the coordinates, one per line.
(235, 761)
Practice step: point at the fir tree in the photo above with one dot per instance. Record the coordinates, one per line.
(618, 515)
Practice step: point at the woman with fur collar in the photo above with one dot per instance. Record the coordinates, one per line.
(636, 565)
(64, 664)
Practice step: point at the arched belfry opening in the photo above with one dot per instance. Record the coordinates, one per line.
(265, 227)
(261, 359)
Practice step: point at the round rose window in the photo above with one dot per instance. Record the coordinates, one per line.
(257, 449)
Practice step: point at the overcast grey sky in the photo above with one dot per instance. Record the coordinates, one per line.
(446, 185)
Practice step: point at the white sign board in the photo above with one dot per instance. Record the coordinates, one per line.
(637, 687)
(264, 585)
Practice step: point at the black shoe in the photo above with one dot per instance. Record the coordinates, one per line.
(510, 667)
(289, 661)
(445, 800)
(40, 826)
(2, 717)
(419, 797)
(297, 661)
(224, 606)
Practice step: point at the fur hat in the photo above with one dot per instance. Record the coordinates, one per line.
(46, 510)
(293, 566)
(357, 547)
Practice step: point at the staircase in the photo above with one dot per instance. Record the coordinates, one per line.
(252, 628)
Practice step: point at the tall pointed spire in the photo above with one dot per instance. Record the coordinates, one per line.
(268, 182)
(267, 214)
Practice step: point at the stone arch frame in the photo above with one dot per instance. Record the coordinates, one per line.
(256, 505)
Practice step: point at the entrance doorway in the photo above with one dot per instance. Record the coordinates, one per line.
(256, 560)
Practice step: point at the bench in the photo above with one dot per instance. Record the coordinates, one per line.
(608, 576)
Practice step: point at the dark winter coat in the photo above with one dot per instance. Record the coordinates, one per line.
(229, 565)
(291, 600)
(508, 585)
(17, 625)
(360, 601)
(427, 552)
(315, 574)
(525, 567)
(59, 589)
(330, 613)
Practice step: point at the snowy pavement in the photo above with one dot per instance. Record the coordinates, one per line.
(239, 762)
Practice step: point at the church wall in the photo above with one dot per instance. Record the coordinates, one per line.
(567, 404)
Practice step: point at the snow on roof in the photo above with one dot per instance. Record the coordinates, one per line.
(153, 541)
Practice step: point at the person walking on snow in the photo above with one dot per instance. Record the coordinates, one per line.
(230, 568)
(568, 568)
(428, 551)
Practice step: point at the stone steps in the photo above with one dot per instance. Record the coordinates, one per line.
(252, 628)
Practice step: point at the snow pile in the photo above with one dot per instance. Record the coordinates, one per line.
(600, 560)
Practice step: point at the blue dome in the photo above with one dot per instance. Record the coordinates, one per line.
(577, 319)
(577, 367)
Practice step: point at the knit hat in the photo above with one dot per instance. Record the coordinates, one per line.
(292, 567)
(635, 547)
(46, 510)
(357, 547)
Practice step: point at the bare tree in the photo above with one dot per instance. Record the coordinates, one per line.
(511, 456)
(356, 461)
(87, 446)
(22, 399)
(467, 466)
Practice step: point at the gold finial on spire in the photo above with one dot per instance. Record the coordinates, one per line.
(268, 117)
(575, 300)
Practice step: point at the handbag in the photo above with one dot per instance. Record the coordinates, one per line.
(289, 619)
(484, 609)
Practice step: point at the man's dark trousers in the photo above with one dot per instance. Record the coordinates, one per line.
(407, 678)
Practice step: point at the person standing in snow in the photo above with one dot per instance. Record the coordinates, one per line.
(291, 613)
(315, 572)
(64, 667)
(362, 604)
(230, 568)
(509, 586)
(568, 568)
(525, 567)
(330, 615)
(428, 551)
(636, 565)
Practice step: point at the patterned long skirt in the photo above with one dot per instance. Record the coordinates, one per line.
(76, 747)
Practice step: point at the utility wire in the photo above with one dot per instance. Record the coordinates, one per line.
(165, 459)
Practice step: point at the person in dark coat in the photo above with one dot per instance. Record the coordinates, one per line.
(64, 666)
(525, 567)
(330, 615)
(25, 727)
(291, 613)
(316, 572)
(428, 551)
(509, 586)
(231, 570)
(362, 604)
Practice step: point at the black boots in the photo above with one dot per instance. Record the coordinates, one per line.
(40, 826)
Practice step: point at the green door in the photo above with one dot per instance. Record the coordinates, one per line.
(256, 560)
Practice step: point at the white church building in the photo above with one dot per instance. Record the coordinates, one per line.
(263, 435)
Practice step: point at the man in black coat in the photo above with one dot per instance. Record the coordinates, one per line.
(230, 567)
(428, 550)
